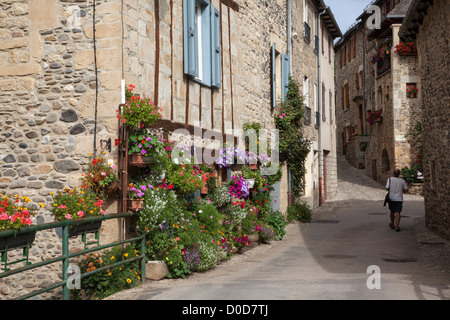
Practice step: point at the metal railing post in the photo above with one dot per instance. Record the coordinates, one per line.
(65, 266)
(143, 257)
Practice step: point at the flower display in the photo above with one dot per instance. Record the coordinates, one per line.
(76, 203)
(14, 213)
(411, 90)
(99, 175)
(406, 48)
(374, 116)
(232, 155)
(238, 187)
(383, 49)
(138, 113)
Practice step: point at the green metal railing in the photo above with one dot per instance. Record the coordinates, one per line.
(66, 255)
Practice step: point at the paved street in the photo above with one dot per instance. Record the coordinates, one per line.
(329, 257)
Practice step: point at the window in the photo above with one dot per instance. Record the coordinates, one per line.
(331, 107)
(280, 75)
(306, 90)
(347, 100)
(201, 27)
(324, 117)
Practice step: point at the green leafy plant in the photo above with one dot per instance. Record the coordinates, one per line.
(300, 212)
(185, 178)
(289, 119)
(248, 173)
(111, 280)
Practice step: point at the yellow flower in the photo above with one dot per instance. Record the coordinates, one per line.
(109, 273)
(128, 281)
(112, 258)
(125, 254)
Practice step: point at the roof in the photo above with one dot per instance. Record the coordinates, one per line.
(328, 19)
(413, 19)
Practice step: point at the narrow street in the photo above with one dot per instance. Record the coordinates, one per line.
(329, 257)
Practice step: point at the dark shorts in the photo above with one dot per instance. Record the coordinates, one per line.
(396, 206)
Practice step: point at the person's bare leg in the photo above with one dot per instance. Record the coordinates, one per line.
(392, 221)
(397, 221)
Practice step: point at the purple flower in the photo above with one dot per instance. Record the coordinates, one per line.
(143, 151)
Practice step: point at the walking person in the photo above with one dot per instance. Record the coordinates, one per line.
(396, 186)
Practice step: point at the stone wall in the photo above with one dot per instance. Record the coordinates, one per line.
(432, 41)
(48, 91)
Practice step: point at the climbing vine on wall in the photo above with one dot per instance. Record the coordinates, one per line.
(294, 147)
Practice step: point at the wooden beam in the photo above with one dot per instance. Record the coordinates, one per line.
(231, 4)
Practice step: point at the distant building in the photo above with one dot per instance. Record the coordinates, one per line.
(375, 111)
(426, 23)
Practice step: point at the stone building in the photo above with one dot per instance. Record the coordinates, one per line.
(426, 24)
(314, 29)
(381, 144)
(62, 65)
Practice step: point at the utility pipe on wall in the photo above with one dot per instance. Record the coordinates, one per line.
(319, 99)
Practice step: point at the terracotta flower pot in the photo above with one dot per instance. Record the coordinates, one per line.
(137, 159)
(135, 204)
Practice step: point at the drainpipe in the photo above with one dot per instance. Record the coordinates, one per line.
(319, 99)
(289, 56)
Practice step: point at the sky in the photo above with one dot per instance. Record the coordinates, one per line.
(346, 11)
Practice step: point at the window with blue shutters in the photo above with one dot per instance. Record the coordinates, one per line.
(201, 27)
(284, 75)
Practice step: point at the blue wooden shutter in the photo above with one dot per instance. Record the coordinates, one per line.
(274, 77)
(216, 76)
(284, 75)
(190, 38)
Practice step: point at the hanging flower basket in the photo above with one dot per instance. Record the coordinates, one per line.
(375, 116)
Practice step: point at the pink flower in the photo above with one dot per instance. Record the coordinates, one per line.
(62, 207)
(4, 216)
(68, 216)
(102, 211)
(181, 173)
(103, 173)
(80, 213)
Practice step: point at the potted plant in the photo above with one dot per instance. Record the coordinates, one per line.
(406, 49)
(78, 204)
(411, 91)
(138, 113)
(14, 215)
(100, 176)
(185, 179)
(253, 177)
(135, 194)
